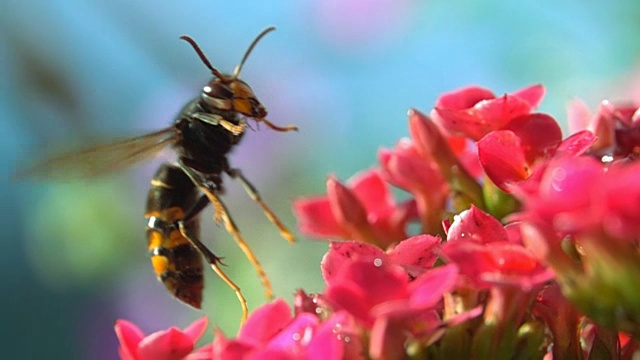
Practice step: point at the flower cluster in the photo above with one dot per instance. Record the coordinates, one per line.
(512, 241)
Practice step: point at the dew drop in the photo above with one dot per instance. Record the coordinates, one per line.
(377, 262)
(296, 336)
(606, 159)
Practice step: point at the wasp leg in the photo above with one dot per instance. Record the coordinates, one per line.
(196, 209)
(255, 196)
(231, 227)
(235, 232)
(213, 261)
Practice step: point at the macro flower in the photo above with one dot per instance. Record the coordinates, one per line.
(509, 155)
(405, 168)
(616, 126)
(162, 345)
(480, 246)
(364, 211)
(415, 255)
(271, 332)
(474, 111)
(383, 300)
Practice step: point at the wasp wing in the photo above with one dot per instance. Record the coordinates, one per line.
(101, 159)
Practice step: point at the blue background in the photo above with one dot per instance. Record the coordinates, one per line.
(73, 256)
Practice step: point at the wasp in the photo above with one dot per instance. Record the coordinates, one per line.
(202, 135)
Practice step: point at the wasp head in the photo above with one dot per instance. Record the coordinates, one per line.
(233, 94)
(229, 93)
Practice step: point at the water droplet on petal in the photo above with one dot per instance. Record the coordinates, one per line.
(377, 262)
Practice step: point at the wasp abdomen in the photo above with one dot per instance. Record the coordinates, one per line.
(175, 261)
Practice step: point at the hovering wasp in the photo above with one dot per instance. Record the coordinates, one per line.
(202, 135)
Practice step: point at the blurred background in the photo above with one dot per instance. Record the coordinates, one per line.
(74, 256)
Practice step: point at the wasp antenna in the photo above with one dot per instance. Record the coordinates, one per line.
(264, 32)
(202, 56)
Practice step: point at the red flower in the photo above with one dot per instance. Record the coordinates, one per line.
(415, 254)
(381, 298)
(272, 333)
(162, 345)
(431, 143)
(480, 247)
(364, 211)
(508, 155)
(406, 169)
(616, 126)
(370, 289)
(580, 195)
(474, 111)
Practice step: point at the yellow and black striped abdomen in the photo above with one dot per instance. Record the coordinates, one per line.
(175, 261)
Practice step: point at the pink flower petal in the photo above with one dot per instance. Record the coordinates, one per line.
(577, 144)
(387, 339)
(129, 336)
(539, 135)
(171, 344)
(532, 95)
(329, 340)
(578, 115)
(476, 225)
(373, 192)
(316, 218)
(362, 285)
(296, 335)
(203, 353)
(428, 289)
(502, 157)
(343, 253)
(265, 322)
(351, 299)
(224, 349)
(464, 98)
(416, 254)
(349, 212)
(196, 329)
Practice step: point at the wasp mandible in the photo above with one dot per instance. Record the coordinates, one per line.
(202, 135)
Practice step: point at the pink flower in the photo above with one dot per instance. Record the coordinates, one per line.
(479, 245)
(370, 289)
(474, 111)
(363, 211)
(582, 195)
(415, 255)
(271, 332)
(381, 298)
(508, 155)
(616, 126)
(162, 345)
(406, 169)
(432, 144)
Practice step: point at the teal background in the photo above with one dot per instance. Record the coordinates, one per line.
(73, 256)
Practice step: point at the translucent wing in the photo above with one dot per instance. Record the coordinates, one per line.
(101, 159)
